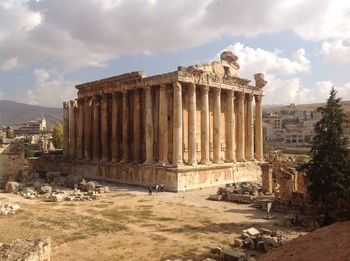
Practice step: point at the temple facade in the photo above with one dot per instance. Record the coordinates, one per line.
(195, 127)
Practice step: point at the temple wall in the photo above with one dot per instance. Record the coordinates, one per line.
(174, 179)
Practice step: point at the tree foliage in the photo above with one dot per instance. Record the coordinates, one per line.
(57, 135)
(328, 169)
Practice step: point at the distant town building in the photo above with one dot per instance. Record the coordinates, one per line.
(32, 127)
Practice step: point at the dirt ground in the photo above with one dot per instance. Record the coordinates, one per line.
(331, 243)
(127, 224)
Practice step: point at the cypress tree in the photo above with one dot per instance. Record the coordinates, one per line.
(328, 170)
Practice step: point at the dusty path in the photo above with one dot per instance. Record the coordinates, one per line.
(127, 224)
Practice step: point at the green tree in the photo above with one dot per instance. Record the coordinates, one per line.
(57, 135)
(328, 169)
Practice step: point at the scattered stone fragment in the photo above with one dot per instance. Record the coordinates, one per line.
(216, 250)
(45, 189)
(8, 208)
(90, 186)
(12, 187)
(238, 242)
(27, 250)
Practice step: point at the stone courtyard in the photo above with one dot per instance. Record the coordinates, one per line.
(127, 224)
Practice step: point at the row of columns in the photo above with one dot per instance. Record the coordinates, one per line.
(93, 114)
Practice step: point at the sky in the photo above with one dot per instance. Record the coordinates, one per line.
(48, 46)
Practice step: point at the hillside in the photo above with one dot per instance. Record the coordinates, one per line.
(302, 107)
(326, 244)
(12, 113)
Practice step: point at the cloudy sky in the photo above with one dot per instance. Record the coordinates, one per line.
(48, 46)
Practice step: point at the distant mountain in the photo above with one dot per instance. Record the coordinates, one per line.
(302, 107)
(13, 113)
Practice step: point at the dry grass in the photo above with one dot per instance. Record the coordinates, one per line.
(129, 226)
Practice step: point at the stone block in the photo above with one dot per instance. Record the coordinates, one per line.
(252, 232)
(232, 255)
(238, 242)
(12, 187)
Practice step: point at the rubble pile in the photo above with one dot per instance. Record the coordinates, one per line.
(179, 259)
(8, 208)
(244, 192)
(27, 250)
(263, 239)
(72, 187)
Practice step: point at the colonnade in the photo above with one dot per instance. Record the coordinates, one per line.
(146, 125)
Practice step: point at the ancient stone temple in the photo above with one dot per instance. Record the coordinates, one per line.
(195, 127)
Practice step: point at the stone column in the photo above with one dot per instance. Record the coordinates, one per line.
(163, 125)
(231, 143)
(149, 127)
(258, 129)
(104, 128)
(250, 129)
(217, 126)
(80, 129)
(205, 156)
(65, 129)
(240, 128)
(125, 127)
(137, 127)
(72, 129)
(96, 129)
(177, 126)
(115, 128)
(87, 128)
(192, 152)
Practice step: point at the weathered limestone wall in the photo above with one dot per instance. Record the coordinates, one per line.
(174, 179)
(11, 161)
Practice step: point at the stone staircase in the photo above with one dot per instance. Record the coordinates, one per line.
(261, 202)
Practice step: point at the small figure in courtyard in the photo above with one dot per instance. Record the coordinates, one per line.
(157, 189)
(161, 187)
(150, 190)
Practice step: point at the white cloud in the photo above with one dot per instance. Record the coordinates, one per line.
(51, 89)
(336, 52)
(271, 63)
(92, 32)
(10, 64)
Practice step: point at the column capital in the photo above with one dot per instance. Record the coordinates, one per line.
(114, 95)
(148, 87)
(177, 86)
(205, 89)
(66, 104)
(191, 87)
(124, 92)
(240, 94)
(250, 97)
(73, 103)
(217, 90)
(231, 94)
(258, 98)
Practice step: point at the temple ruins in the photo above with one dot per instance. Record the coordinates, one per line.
(195, 127)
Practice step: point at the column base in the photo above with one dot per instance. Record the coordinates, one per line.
(163, 163)
(192, 163)
(205, 162)
(178, 164)
(148, 162)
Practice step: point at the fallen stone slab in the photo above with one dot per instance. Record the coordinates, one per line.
(253, 232)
